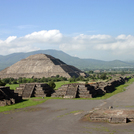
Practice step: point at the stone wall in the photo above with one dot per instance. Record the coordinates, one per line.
(77, 90)
(8, 97)
(28, 90)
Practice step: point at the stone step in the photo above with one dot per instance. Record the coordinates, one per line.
(28, 90)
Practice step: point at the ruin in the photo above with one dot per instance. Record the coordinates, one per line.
(79, 90)
(34, 90)
(111, 115)
(75, 90)
(39, 66)
(8, 97)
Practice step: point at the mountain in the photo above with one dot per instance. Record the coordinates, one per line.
(10, 59)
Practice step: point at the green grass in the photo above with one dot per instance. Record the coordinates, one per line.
(24, 103)
(12, 86)
(60, 83)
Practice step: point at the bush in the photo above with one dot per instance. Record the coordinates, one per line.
(72, 79)
(52, 84)
(2, 83)
(103, 76)
(15, 82)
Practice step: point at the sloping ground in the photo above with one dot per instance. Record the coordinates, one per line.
(40, 65)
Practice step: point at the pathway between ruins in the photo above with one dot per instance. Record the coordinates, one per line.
(64, 117)
(122, 100)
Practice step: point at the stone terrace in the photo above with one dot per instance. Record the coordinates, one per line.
(34, 90)
(77, 90)
(8, 97)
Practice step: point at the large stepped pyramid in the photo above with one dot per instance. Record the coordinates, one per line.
(38, 66)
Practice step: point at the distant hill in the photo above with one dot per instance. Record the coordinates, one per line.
(10, 59)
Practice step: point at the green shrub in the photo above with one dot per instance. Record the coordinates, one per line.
(52, 84)
(2, 83)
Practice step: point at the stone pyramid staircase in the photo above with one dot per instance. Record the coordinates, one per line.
(71, 91)
(28, 90)
(83, 92)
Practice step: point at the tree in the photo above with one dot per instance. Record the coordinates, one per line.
(72, 79)
(14, 81)
(2, 83)
(103, 76)
(90, 72)
(6, 80)
(52, 84)
(20, 80)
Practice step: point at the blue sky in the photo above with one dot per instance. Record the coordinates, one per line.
(97, 29)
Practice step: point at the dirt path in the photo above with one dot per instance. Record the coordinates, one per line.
(63, 117)
(122, 100)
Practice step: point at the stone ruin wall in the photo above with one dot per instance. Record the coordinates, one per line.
(38, 90)
(75, 90)
(89, 90)
(8, 97)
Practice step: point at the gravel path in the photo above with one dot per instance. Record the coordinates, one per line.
(122, 100)
(63, 117)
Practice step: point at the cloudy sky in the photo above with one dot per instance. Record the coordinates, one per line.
(97, 29)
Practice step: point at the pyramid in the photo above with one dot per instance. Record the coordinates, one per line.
(38, 66)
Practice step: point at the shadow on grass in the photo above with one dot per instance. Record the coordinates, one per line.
(23, 100)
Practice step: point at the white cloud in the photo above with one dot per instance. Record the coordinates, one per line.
(89, 46)
(10, 38)
(45, 36)
(34, 41)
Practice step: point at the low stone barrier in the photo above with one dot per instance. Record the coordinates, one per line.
(111, 115)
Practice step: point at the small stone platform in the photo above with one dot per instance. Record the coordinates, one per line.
(28, 90)
(112, 115)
